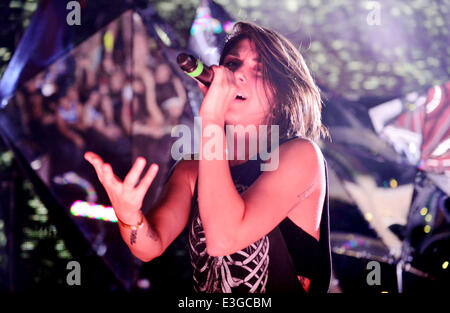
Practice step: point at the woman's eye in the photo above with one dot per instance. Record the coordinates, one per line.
(231, 64)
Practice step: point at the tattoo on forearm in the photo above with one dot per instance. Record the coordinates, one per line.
(133, 236)
(151, 233)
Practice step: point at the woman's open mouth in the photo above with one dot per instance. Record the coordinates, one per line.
(240, 97)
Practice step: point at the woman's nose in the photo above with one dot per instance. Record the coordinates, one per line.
(240, 76)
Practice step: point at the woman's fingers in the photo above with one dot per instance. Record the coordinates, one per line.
(111, 183)
(145, 183)
(89, 155)
(96, 162)
(133, 175)
(104, 172)
(223, 77)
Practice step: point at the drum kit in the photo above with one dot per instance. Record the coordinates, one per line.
(367, 249)
(410, 238)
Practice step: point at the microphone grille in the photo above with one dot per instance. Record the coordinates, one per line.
(185, 61)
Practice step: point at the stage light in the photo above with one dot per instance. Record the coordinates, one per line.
(6, 158)
(108, 41)
(423, 211)
(368, 216)
(321, 58)
(93, 211)
(228, 27)
(48, 89)
(30, 6)
(427, 229)
(143, 283)
(411, 106)
(291, 5)
(383, 67)
(354, 66)
(36, 164)
(445, 265)
(41, 210)
(163, 36)
(27, 246)
(59, 246)
(15, 4)
(393, 183)
(7, 56)
(428, 218)
(337, 44)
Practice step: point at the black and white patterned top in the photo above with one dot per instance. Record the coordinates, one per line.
(244, 271)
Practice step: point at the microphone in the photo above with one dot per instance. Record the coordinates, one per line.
(195, 68)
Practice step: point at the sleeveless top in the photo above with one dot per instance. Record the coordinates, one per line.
(269, 265)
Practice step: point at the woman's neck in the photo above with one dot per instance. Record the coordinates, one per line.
(241, 156)
(243, 149)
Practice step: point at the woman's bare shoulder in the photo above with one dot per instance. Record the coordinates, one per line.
(300, 142)
(303, 156)
(300, 148)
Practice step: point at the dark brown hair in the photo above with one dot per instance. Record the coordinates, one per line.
(296, 105)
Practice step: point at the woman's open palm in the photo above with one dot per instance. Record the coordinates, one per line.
(126, 197)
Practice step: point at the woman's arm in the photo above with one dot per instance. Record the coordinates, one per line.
(232, 221)
(164, 222)
(170, 214)
(168, 217)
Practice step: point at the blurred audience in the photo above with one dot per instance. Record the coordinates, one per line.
(69, 117)
(114, 89)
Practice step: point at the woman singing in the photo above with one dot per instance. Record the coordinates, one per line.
(250, 231)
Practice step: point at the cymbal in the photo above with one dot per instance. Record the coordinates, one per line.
(361, 247)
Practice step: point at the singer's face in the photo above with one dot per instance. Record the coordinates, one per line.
(252, 105)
